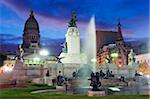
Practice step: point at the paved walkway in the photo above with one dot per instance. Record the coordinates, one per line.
(52, 91)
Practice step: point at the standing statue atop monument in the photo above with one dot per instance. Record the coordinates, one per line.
(131, 58)
(73, 20)
(71, 52)
(20, 53)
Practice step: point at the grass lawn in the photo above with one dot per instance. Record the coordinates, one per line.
(24, 93)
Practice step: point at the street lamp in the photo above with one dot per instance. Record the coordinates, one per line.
(59, 61)
(44, 52)
(114, 55)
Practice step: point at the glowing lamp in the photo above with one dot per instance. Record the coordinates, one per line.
(44, 52)
(114, 55)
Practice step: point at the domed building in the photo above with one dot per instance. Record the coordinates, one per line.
(31, 44)
(31, 34)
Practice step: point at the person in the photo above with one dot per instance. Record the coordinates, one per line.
(136, 76)
(47, 73)
(53, 82)
(74, 75)
(60, 79)
(14, 82)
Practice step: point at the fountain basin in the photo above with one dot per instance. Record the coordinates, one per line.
(96, 93)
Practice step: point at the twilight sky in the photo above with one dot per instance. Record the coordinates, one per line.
(53, 16)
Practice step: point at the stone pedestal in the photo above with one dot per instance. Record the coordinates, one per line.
(60, 88)
(48, 80)
(38, 80)
(96, 93)
(19, 72)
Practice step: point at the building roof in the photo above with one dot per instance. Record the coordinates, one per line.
(105, 37)
(31, 23)
(119, 34)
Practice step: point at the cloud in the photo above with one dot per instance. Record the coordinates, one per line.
(53, 15)
(9, 38)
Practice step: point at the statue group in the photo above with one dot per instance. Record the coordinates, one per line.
(95, 82)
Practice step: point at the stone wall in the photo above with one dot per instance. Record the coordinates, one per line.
(125, 71)
(68, 69)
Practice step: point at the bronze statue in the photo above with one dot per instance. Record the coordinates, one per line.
(73, 20)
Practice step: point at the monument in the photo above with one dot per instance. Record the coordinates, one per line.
(95, 83)
(19, 71)
(131, 64)
(71, 52)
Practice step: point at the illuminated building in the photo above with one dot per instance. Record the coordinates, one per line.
(108, 54)
(31, 34)
(143, 61)
(104, 40)
(142, 58)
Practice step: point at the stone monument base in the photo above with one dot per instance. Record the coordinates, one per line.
(38, 80)
(96, 93)
(60, 88)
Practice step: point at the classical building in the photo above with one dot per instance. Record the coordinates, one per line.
(143, 61)
(104, 40)
(31, 34)
(142, 58)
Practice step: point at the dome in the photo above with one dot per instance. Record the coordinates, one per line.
(31, 23)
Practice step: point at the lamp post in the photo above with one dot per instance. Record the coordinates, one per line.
(59, 61)
(44, 53)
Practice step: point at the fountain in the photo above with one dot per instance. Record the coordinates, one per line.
(89, 84)
(86, 60)
(90, 43)
(90, 52)
(89, 49)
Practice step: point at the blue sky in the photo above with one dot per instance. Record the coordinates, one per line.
(53, 16)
